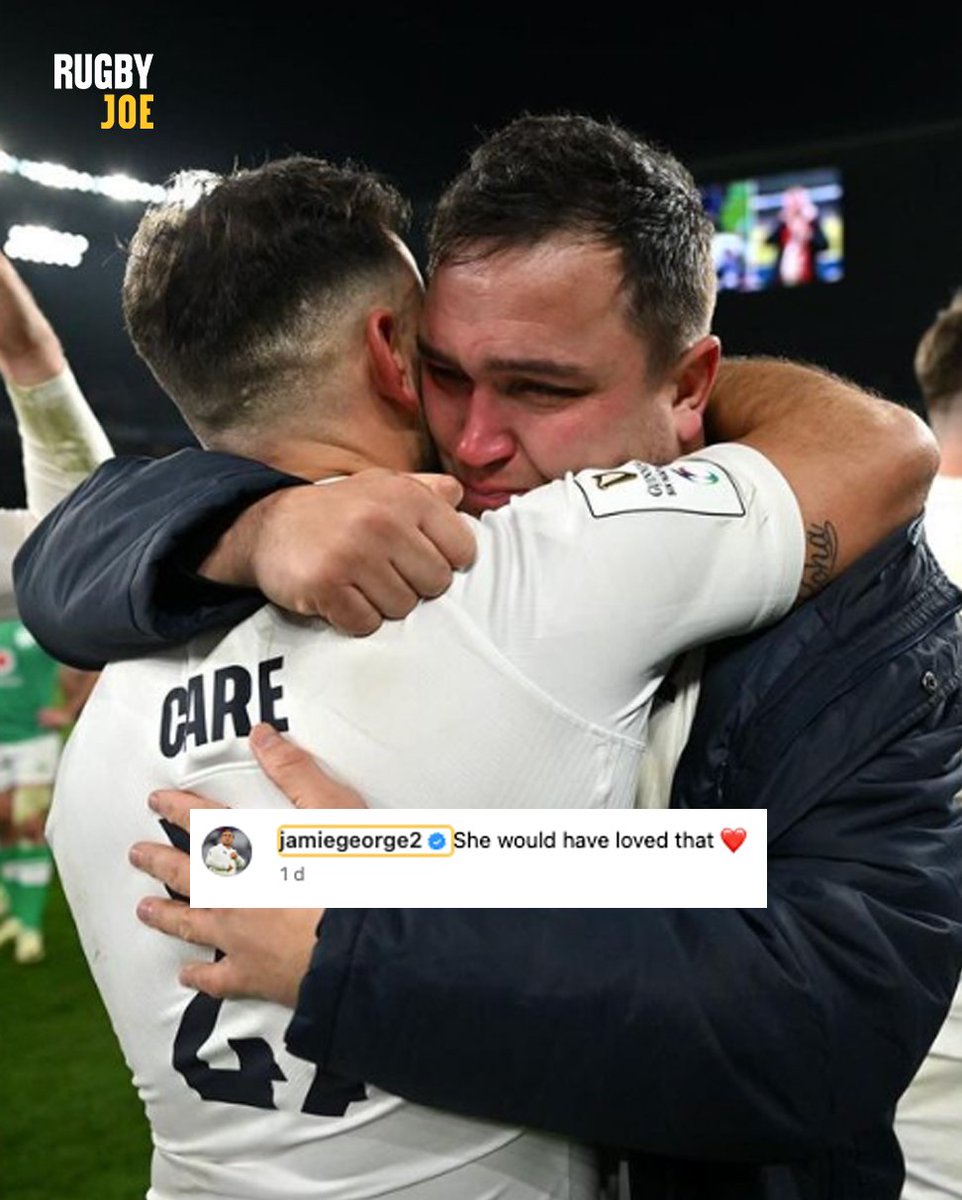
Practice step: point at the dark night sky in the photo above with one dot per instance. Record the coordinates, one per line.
(410, 94)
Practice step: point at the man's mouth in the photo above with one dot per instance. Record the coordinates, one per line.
(480, 498)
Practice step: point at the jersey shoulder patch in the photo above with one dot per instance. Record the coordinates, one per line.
(691, 485)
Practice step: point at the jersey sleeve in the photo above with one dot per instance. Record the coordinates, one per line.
(599, 580)
(62, 440)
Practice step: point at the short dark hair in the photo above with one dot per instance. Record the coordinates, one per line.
(545, 175)
(938, 359)
(231, 279)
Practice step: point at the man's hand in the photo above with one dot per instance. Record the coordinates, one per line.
(292, 769)
(353, 552)
(266, 951)
(166, 863)
(297, 775)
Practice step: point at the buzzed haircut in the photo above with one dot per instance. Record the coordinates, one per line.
(234, 282)
(542, 176)
(938, 359)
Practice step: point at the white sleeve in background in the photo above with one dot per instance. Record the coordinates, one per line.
(943, 524)
(669, 725)
(62, 442)
(604, 577)
(15, 525)
(62, 439)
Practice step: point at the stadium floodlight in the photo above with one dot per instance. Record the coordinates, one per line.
(56, 175)
(37, 243)
(122, 187)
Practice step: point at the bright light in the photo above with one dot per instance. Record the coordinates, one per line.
(187, 187)
(55, 175)
(122, 187)
(37, 243)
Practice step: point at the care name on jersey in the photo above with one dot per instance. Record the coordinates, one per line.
(225, 702)
(691, 485)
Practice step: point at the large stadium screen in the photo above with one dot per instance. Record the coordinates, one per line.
(777, 230)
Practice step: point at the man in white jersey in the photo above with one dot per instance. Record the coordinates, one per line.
(287, 287)
(62, 440)
(222, 858)
(61, 443)
(929, 1117)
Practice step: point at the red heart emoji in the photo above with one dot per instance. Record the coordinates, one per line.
(733, 838)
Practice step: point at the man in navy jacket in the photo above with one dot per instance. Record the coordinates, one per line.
(734, 1053)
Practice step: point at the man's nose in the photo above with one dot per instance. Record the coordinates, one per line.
(486, 438)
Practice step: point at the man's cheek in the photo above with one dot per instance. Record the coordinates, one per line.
(432, 408)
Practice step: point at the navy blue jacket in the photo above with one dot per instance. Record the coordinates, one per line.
(731, 1053)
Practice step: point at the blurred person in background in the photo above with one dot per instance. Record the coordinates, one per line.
(62, 441)
(798, 239)
(30, 747)
(929, 1121)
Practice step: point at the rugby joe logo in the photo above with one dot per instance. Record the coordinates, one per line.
(115, 76)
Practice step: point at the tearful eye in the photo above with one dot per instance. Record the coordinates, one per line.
(550, 391)
(446, 375)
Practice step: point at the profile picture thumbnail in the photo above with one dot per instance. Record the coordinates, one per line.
(227, 850)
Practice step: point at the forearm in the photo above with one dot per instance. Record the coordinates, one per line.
(30, 351)
(753, 396)
(61, 439)
(860, 466)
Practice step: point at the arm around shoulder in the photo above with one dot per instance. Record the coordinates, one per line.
(859, 466)
(109, 574)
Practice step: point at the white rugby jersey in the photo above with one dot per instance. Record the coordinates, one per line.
(943, 524)
(528, 683)
(930, 1111)
(16, 525)
(223, 860)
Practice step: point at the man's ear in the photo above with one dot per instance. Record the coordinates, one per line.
(392, 369)
(694, 377)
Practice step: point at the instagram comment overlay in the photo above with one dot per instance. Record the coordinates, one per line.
(478, 858)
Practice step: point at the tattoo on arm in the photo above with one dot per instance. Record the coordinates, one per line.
(821, 555)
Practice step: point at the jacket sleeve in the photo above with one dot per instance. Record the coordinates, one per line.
(109, 573)
(726, 1035)
(750, 1035)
